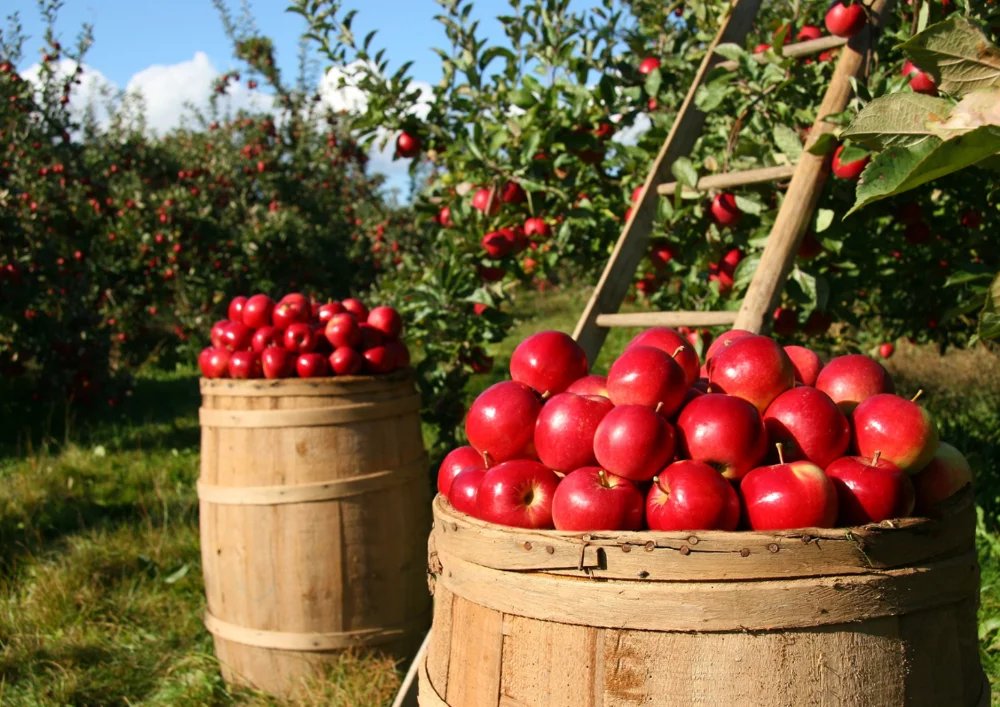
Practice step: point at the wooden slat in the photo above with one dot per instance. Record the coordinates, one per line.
(813, 46)
(804, 191)
(670, 319)
(478, 684)
(631, 246)
(732, 179)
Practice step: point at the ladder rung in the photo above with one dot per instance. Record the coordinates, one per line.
(733, 179)
(672, 319)
(797, 50)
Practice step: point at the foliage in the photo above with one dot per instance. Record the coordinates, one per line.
(119, 245)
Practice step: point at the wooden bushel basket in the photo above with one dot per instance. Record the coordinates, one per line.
(877, 615)
(314, 500)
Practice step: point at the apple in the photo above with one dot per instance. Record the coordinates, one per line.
(724, 209)
(312, 365)
(291, 310)
(870, 490)
(845, 20)
(443, 217)
(501, 421)
(496, 244)
(590, 498)
(343, 331)
(900, 430)
(723, 431)
(920, 81)
(266, 336)
(216, 333)
(379, 360)
(808, 425)
(548, 362)
(946, 473)
(691, 495)
(346, 361)
(257, 311)
(398, 352)
(214, 362)
(245, 364)
(355, 307)
(300, 338)
(648, 65)
(236, 336)
(633, 441)
(464, 490)
(852, 378)
(805, 362)
(536, 227)
(784, 321)
(848, 170)
(671, 342)
(644, 375)
(565, 428)
(454, 463)
(325, 312)
(513, 193)
(591, 384)
(277, 362)
(754, 368)
(235, 310)
(517, 493)
(407, 144)
(370, 336)
(886, 349)
(723, 340)
(386, 320)
(789, 495)
(485, 200)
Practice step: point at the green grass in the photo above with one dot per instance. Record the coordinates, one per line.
(102, 595)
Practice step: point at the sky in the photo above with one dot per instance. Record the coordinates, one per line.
(171, 50)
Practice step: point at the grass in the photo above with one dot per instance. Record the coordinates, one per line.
(100, 573)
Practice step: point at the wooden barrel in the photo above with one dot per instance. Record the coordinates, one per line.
(877, 615)
(314, 499)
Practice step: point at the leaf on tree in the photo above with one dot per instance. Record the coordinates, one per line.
(897, 119)
(989, 318)
(957, 53)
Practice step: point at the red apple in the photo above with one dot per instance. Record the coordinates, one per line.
(465, 489)
(536, 227)
(454, 463)
(300, 338)
(724, 209)
(291, 311)
(848, 170)
(496, 244)
(346, 361)
(723, 431)
(312, 365)
(343, 331)
(946, 474)
(564, 430)
(886, 350)
(548, 362)
(517, 493)
(266, 336)
(398, 352)
(217, 332)
(356, 307)
(443, 217)
(634, 441)
(648, 65)
(277, 362)
(379, 360)
(901, 431)
(236, 308)
(590, 498)
(485, 199)
(407, 144)
(257, 311)
(690, 495)
(214, 362)
(370, 336)
(513, 193)
(793, 495)
(591, 384)
(326, 311)
(644, 375)
(387, 321)
(920, 81)
(850, 379)
(808, 425)
(870, 490)
(723, 340)
(501, 421)
(805, 363)
(236, 336)
(754, 368)
(845, 20)
(671, 342)
(245, 364)
(808, 32)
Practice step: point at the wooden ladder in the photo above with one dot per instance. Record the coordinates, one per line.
(808, 176)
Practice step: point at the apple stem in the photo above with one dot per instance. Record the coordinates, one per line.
(678, 350)
(918, 394)
(603, 478)
(781, 453)
(546, 395)
(659, 406)
(875, 456)
(486, 460)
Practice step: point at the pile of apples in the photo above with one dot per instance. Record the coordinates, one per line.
(298, 336)
(759, 437)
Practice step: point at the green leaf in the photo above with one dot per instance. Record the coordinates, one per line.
(684, 172)
(787, 141)
(730, 51)
(653, 81)
(749, 206)
(178, 574)
(900, 169)
(710, 96)
(957, 53)
(896, 119)
(989, 318)
(824, 217)
(824, 144)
